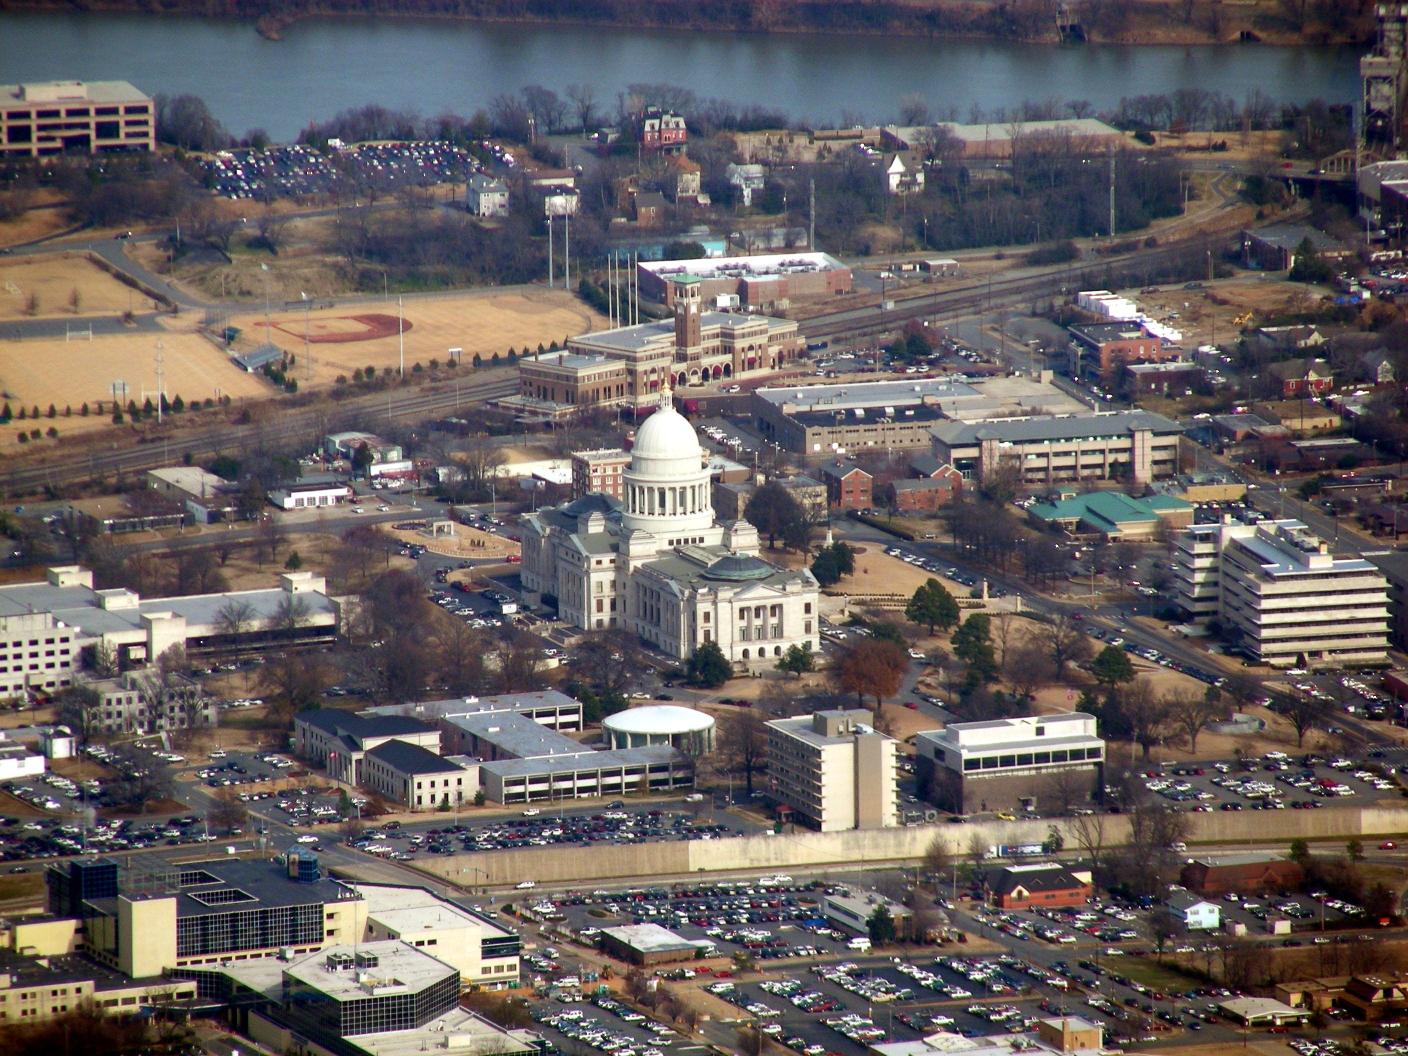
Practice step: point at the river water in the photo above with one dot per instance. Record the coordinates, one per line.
(432, 66)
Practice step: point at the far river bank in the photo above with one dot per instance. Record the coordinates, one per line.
(1116, 22)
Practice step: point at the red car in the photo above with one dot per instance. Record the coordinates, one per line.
(1388, 845)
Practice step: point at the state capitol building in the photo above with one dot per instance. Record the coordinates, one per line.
(659, 565)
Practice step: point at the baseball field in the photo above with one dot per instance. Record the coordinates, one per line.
(342, 340)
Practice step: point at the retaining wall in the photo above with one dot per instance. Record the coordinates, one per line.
(796, 850)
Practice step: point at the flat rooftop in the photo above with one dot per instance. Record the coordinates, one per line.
(31, 93)
(763, 264)
(1072, 427)
(652, 938)
(418, 909)
(351, 973)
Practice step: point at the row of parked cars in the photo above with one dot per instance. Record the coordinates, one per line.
(296, 170)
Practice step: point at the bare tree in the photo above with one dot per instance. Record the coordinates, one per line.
(235, 618)
(1191, 712)
(1066, 643)
(583, 99)
(1146, 714)
(1092, 837)
(1303, 711)
(743, 741)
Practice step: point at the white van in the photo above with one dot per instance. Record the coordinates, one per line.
(860, 944)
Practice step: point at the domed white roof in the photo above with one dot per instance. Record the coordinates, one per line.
(659, 720)
(666, 434)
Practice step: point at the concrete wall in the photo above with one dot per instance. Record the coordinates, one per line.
(798, 850)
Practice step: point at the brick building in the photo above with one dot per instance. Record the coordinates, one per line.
(1244, 874)
(1040, 885)
(923, 496)
(1102, 348)
(848, 487)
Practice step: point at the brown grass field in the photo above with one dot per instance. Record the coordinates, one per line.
(485, 322)
(69, 373)
(54, 279)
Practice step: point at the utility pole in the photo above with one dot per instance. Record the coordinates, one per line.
(401, 334)
(567, 251)
(1112, 193)
(160, 380)
(549, 250)
(811, 215)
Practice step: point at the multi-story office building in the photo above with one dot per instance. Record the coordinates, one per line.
(154, 917)
(1137, 446)
(1282, 596)
(136, 703)
(1194, 558)
(45, 626)
(1014, 763)
(37, 651)
(63, 117)
(33, 989)
(600, 472)
(832, 770)
(370, 988)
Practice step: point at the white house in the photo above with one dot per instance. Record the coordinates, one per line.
(746, 179)
(486, 196)
(1193, 913)
(901, 178)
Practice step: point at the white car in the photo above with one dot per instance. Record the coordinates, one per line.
(525, 885)
(531, 812)
(309, 838)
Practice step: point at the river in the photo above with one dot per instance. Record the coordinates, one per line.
(430, 66)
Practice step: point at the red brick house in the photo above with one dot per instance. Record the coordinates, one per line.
(848, 487)
(663, 130)
(1245, 874)
(922, 496)
(1041, 885)
(1301, 378)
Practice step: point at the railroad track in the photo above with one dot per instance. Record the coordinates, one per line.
(291, 425)
(860, 322)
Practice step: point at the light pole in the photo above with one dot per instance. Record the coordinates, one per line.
(268, 328)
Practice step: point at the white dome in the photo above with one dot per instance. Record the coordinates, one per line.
(666, 434)
(661, 720)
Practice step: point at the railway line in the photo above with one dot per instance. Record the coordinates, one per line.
(1139, 266)
(443, 398)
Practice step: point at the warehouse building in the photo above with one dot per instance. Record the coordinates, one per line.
(857, 417)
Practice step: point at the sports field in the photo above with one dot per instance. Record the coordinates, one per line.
(342, 340)
(52, 280)
(70, 373)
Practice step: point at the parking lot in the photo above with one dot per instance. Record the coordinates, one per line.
(297, 170)
(547, 828)
(24, 838)
(1276, 781)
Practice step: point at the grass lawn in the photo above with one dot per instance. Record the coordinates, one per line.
(1151, 973)
(23, 885)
